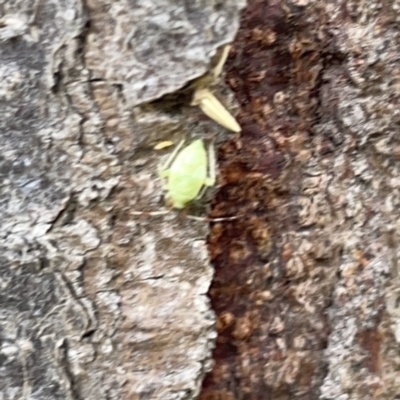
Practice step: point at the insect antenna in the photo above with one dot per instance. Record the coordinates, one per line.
(151, 213)
(210, 219)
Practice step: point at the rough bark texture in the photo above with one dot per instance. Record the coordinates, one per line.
(307, 283)
(95, 302)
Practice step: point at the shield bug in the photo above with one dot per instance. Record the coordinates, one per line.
(188, 172)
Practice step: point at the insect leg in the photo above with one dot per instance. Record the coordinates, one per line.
(212, 166)
(201, 193)
(150, 213)
(170, 159)
(217, 70)
(163, 145)
(207, 219)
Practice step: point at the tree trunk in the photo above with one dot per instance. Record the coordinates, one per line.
(307, 285)
(96, 301)
(99, 302)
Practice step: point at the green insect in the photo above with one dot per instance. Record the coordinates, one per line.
(190, 170)
(186, 173)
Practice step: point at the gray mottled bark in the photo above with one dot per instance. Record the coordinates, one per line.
(362, 188)
(95, 302)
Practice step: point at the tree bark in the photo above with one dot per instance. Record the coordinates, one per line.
(96, 302)
(307, 284)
